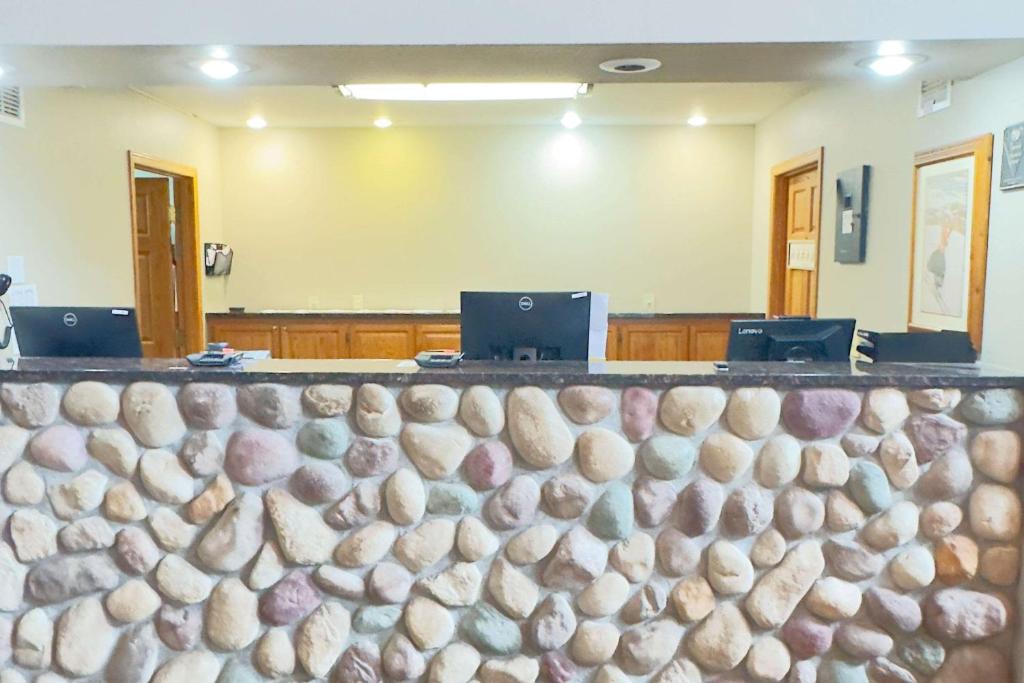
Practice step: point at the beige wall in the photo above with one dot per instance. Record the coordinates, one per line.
(64, 201)
(408, 217)
(876, 124)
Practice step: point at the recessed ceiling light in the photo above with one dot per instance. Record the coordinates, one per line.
(888, 48)
(1, 72)
(891, 65)
(382, 122)
(219, 52)
(630, 65)
(571, 120)
(463, 92)
(257, 123)
(697, 120)
(219, 69)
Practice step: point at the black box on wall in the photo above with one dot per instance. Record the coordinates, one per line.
(852, 215)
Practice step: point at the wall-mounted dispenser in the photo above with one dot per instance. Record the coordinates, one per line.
(852, 215)
(217, 258)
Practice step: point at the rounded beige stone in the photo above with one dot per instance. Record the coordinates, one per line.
(232, 622)
(405, 497)
(84, 493)
(31, 405)
(33, 640)
(23, 485)
(520, 669)
(728, 569)
(122, 503)
(426, 545)
(214, 498)
(778, 463)
(996, 454)
(132, 601)
(481, 411)
(884, 409)
(833, 599)
(475, 541)
(1000, 565)
(604, 455)
(594, 643)
(170, 530)
(274, 655)
(841, 513)
(456, 586)
(91, 403)
(634, 557)
(753, 412)
(327, 400)
(934, 400)
(693, 599)
(116, 449)
(609, 673)
(768, 659)
(912, 569)
(430, 402)
(768, 550)
(513, 592)
(164, 479)
(437, 451)
(587, 405)
(33, 535)
(191, 667)
(722, 640)
(320, 639)
(180, 581)
(151, 413)
(825, 465)
(531, 545)
(940, 519)
(377, 411)
(366, 546)
(691, 410)
(894, 527)
(455, 663)
(537, 429)
(84, 638)
(268, 567)
(956, 559)
(604, 596)
(899, 460)
(995, 512)
(429, 623)
(302, 534)
(724, 456)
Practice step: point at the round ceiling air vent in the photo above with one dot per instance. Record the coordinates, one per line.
(630, 65)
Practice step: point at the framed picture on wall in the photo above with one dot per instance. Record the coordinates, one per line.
(949, 237)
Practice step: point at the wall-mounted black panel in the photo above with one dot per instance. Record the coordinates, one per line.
(852, 215)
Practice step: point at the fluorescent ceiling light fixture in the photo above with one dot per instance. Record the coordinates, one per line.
(571, 120)
(463, 92)
(891, 65)
(697, 120)
(218, 52)
(256, 123)
(219, 69)
(890, 48)
(382, 122)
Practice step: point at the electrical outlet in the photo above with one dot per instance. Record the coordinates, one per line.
(649, 302)
(357, 302)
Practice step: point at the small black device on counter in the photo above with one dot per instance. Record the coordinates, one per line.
(946, 346)
(217, 355)
(438, 359)
(791, 339)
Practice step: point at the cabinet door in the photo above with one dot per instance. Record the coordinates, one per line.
(709, 340)
(304, 340)
(612, 349)
(654, 341)
(433, 336)
(382, 340)
(247, 336)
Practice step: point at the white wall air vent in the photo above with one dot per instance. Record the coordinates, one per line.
(12, 105)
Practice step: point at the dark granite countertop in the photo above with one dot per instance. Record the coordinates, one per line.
(399, 315)
(612, 373)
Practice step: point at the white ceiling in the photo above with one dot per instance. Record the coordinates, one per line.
(608, 104)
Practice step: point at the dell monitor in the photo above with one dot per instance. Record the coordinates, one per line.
(791, 339)
(532, 326)
(77, 332)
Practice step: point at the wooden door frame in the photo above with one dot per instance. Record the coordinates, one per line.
(186, 203)
(777, 236)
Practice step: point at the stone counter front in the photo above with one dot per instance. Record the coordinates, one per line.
(214, 532)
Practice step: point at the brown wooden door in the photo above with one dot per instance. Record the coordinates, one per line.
(314, 341)
(372, 340)
(654, 341)
(247, 336)
(802, 224)
(434, 336)
(155, 268)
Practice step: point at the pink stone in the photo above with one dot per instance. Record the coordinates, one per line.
(136, 551)
(488, 466)
(639, 413)
(819, 413)
(372, 457)
(60, 448)
(319, 482)
(806, 637)
(892, 611)
(389, 583)
(359, 664)
(653, 500)
(205, 405)
(179, 627)
(935, 435)
(515, 505)
(259, 456)
(290, 599)
(555, 667)
(699, 506)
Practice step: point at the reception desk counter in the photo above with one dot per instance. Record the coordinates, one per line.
(621, 521)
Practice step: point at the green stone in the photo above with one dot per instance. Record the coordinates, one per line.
(612, 514)
(869, 487)
(922, 653)
(491, 631)
(835, 671)
(451, 499)
(668, 457)
(376, 618)
(326, 438)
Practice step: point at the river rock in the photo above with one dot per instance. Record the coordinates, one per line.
(639, 410)
(691, 410)
(400, 659)
(833, 599)
(648, 647)
(729, 571)
(179, 627)
(922, 653)
(151, 413)
(699, 507)
(532, 545)
(862, 642)
(604, 596)
(268, 567)
(214, 498)
(667, 456)
(899, 460)
(566, 496)
(894, 612)
(84, 638)
(912, 569)
(587, 405)
(303, 536)
(747, 511)
(430, 402)
(274, 655)
(33, 534)
(136, 550)
(182, 582)
(1000, 565)
(481, 411)
(647, 603)
(319, 482)
(451, 499)
(948, 477)
(191, 667)
(612, 514)
(389, 583)
(115, 448)
(270, 405)
(132, 601)
(552, 623)
(724, 456)
(676, 554)
(320, 638)
(653, 500)
(935, 435)
(778, 591)
(456, 586)
(135, 656)
(206, 405)
(803, 672)
(59, 579)
(722, 640)
(995, 512)
(768, 659)
(997, 454)
(778, 463)
(91, 403)
(474, 540)
(838, 671)
(806, 637)
(339, 582)
(231, 621)
(555, 667)
(33, 640)
(894, 527)
(202, 453)
(884, 409)
(325, 438)
(934, 400)
(993, 406)
(91, 533)
(426, 545)
(825, 465)
(820, 413)
(327, 400)
(377, 411)
(538, 431)
(31, 405)
(634, 557)
(512, 590)
(753, 413)
(768, 550)
(164, 478)
(514, 505)
(798, 512)
(869, 487)
(940, 519)
(604, 455)
(356, 508)
(974, 662)
(693, 599)
(259, 456)
(429, 624)
(437, 451)
(60, 448)
(405, 497)
(488, 466)
(579, 557)
(594, 643)
(371, 457)
(289, 600)
(366, 546)
(520, 669)
(359, 664)
(841, 513)
(859, 445)
(851, 561)
(964, 615)
(456, 663)
(170, 530)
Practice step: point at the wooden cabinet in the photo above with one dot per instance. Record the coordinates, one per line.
(653, 341)
(431, 336)
(312, 340)
(709, 341)
(247, 335)
(382, 340)
(611, 351)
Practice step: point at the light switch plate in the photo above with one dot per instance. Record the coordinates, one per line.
(16, 268)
